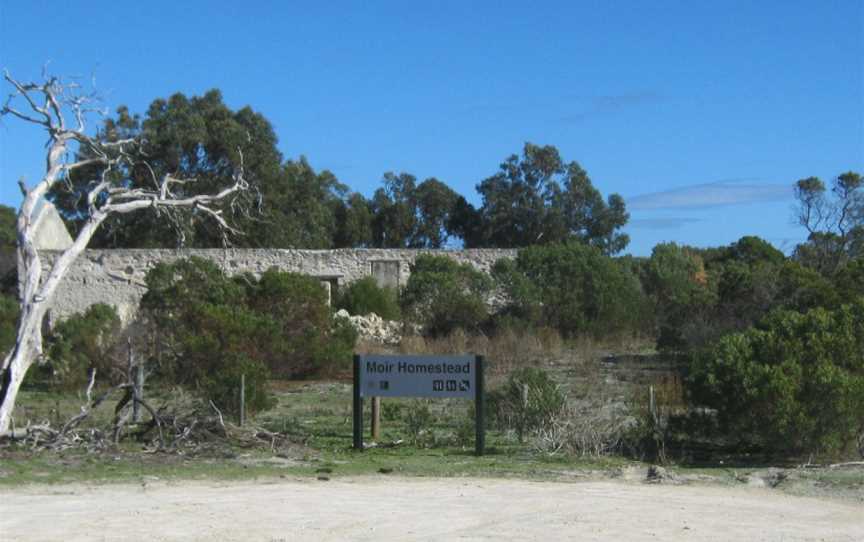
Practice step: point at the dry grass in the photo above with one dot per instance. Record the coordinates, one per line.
(505, 351)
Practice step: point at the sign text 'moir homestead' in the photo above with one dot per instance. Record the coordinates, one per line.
(417, 376)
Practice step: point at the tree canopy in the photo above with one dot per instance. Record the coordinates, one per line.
(835, 220)
(536, 199)
(198, 141)
(408, 215)
(541, 199)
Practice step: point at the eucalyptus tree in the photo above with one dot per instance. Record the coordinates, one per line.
(540, 199)
(834, 220)
(408, 215)
(191, 138)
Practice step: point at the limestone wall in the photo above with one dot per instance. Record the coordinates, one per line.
(116, 277)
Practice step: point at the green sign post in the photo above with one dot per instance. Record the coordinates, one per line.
(419, 376)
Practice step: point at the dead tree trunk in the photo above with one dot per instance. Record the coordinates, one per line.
(46, 105)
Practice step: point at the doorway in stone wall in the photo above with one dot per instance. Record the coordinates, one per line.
(386, 273)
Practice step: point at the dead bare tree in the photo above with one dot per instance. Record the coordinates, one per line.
(71, 153)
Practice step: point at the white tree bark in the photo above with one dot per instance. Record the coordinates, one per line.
(46, 104)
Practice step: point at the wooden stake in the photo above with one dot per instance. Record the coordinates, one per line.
(376, 419)
(242, 399)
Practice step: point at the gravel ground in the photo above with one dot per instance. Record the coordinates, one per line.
(390, 508)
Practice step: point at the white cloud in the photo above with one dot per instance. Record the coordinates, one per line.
(668, 223)
(714, 194)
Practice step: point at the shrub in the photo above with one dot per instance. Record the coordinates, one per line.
(573, 288)
(217, 325)
(303, 336)
(444, 295)
(682, 293)
(529, 401)
(222, 384)
(418, 422)
(364, 296)
(81, 343)
(792, 385)
(849, 280)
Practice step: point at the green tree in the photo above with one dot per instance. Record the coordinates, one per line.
(754, 250)
(682, 293)
(435, 204)
(802, 288)
(573, 288)
(199, 140)
(408, 215)
(444, 295)
(303, 212)
(279, 324)
(81, 343)
(849, 281)
(834, 221)
(747, 275)
(394, 208)
(541, 199)
(354, 217)
(793, 385)
(466, 222)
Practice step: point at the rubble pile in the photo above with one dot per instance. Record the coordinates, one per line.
(374, 328)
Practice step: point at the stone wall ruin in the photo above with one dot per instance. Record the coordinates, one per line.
(116, 276)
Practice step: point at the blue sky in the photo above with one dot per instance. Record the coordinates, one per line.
(701, 114)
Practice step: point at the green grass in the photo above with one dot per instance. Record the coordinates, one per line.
(317, 416)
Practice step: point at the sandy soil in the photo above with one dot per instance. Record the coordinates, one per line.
(387, 508)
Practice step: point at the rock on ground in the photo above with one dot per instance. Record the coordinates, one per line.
(372, 327)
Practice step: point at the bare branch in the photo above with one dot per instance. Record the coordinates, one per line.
(24, 90)
(84, 163)
(108, 189)
(22, 116)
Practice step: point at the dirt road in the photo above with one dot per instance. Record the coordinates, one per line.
(387, 508)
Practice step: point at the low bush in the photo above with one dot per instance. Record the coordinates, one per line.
(214, 326)
(573, 288)
(528, 402)
(81, 343)
(418, 422)
(683, 295)
(443, 295)
(792, 385)
(222, 384)
(364, 296)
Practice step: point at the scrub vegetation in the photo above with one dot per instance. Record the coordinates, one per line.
(740, 353)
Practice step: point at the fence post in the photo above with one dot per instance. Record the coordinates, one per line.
(376, 418)
(652, 404)
(479, 407)
(358, 406)
(242, 399)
